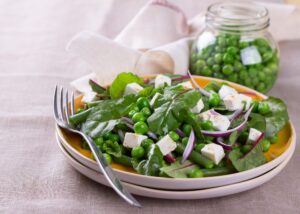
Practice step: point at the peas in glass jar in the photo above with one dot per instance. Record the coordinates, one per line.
(237, 47)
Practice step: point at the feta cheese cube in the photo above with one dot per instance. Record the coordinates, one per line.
(132, 88)
(253, 136)
(198, 107)
(233, 102)
(89, 97)
(161, 80)
(166, 145)
(154, 98)
(214, 152)
(220, 122)
(226, 90)
(187, 85)
(132, 140)
(246, 101)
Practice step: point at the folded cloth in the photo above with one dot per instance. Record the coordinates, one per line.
(157, 40)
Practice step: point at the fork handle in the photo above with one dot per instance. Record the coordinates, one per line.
(107, 171)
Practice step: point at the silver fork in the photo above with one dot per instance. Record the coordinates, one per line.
(62, 113)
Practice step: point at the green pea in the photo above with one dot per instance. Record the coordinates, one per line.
(142, 102)
(218, 75)
(261, 87)
(252, 72)
(263, 108)
(207, 125)
(255, 81)
(216, 68)
(243, 44)
(255, 104)
(265, 145)
(107, 158)
(218, 58)
(246, 148)
(228, 58)
(261, 76)
(231, 41)
(107, 135)
(214, 100)
(187, 128)
(274, 139)
(262, 50)
(99, 141)
(114, 138)
(261, 42)
(138, 152)
(232, 50)
(138, 117)
(243, 74)
(218, 49)
(146, 111)
(194, 57)
(185, 140)
(206, 71)
(210, 61)
(267, 71)
(221, 41)
(267, 56)
(273, 67)
(146, 144)
(227, 69)
(195, 173)
(238, 66)
(199, 147)
(200, 64)
(131, 113)
(140, 127)
(174, 135)
(248, 82)
(233, 77)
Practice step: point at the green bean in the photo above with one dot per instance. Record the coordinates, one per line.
(80, 117)
(217, 171)
(196, 157)
(123, 159)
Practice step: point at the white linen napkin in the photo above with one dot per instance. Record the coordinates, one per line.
(157, 40)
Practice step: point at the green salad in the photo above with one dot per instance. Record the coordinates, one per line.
(168, 127)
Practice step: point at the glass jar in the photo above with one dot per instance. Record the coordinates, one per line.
(236, 46)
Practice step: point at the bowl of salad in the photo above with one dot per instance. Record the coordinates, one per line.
(181, 132)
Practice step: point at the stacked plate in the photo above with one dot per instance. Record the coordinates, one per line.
(196, 188)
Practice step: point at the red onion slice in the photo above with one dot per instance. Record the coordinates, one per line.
(189, 147)
(169, 158)
(183, 77)
(202, 91)
(180, 133)
(235, 114)
(254, 145)
(225, 146)
(127, 120)
(152, 135)
(228, 132)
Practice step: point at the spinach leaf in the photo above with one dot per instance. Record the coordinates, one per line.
(167, 116)
(257, 121)
(97, 88)
(152, 165)
(254, 158)
(105, 115)
(112, 148)
(178, 170)
(119, 84)
(278, 116)
(233, 137)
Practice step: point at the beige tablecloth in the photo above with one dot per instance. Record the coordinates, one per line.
(34, 176)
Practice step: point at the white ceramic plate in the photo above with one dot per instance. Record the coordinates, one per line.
(183, 184)
(182, 195)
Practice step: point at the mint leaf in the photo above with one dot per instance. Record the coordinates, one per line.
(119, 84)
